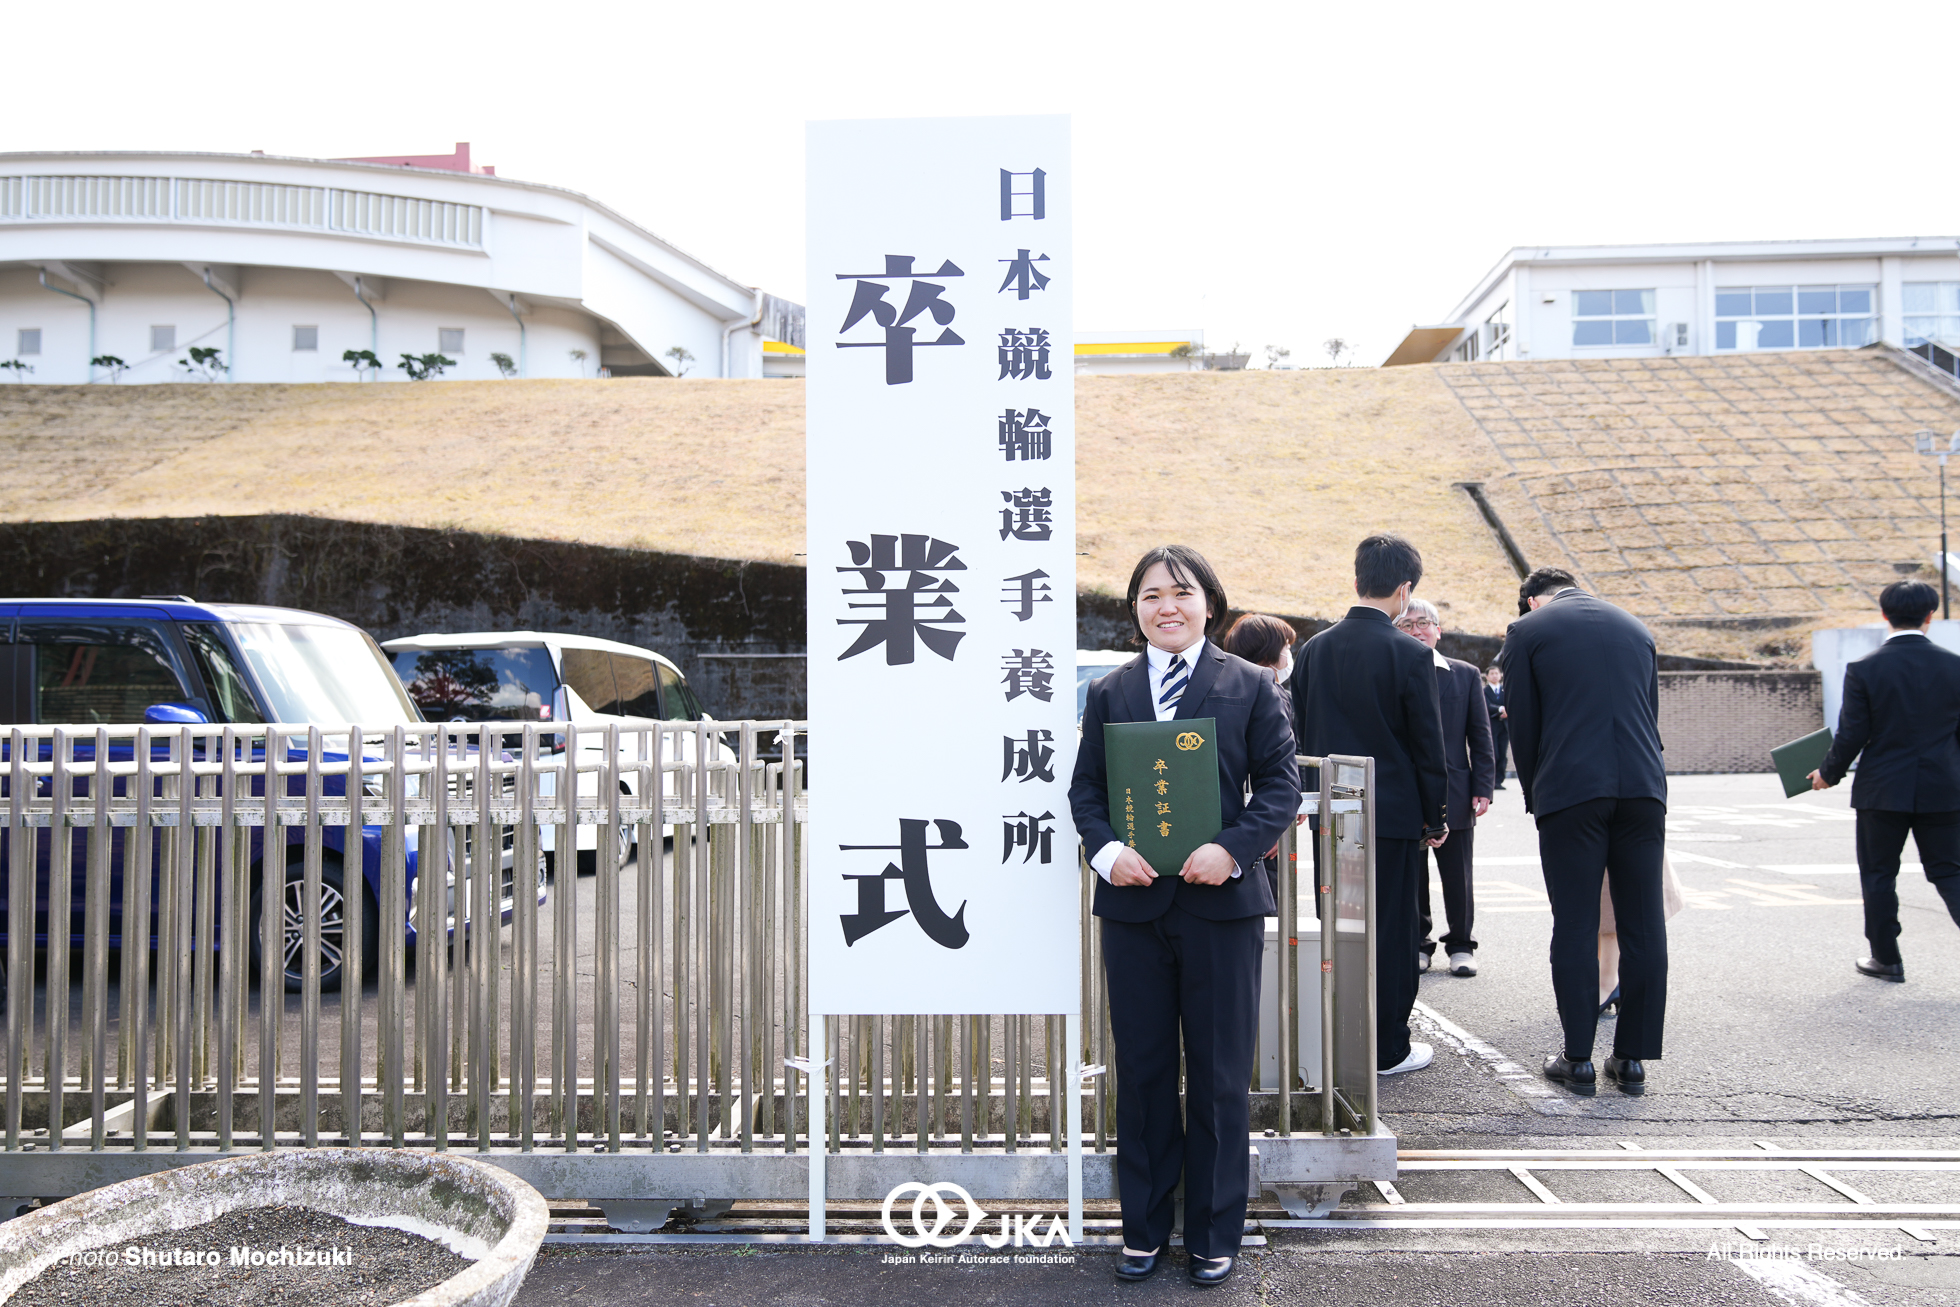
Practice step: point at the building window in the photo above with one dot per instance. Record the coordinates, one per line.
(1932, 312)
(449, 340)
(1794, 317)
(1497, 328)
(30, 341)
(163, 339)
(305, 338)
(1612, 317)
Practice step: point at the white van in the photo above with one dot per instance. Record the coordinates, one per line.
(548, 676)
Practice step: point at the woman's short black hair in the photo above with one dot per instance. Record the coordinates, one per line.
(1187, 567)
(1382, 563)
(1907, 603)
(1260, 638)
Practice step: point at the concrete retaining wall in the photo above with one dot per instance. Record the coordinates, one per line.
(1729, 721)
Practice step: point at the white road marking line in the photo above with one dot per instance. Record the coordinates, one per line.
(1521, 1081)
(1799, 1284)
(1826, 868)
(1532, 1182)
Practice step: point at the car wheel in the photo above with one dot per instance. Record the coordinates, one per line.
(333, 926)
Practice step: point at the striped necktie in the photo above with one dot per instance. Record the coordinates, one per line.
(1176, 677)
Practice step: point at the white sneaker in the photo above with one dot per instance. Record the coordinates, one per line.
(1422, 961)
(1420, 1055)
(1463, 964)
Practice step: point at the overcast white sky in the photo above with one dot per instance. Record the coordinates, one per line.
(1270, 173)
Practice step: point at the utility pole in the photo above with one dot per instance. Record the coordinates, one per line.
(1923, 442)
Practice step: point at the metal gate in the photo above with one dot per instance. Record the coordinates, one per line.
(638, 1039)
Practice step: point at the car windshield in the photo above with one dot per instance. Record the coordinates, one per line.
(330, 674)
(477, 685)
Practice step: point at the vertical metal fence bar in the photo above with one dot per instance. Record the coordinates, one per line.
(686, 1104)
(182, 873)
(564, 976)
(1329, 918)
(20, 940)
(744, 905)
(392, 929)
(1288, 994)
(967, 1050)
(524, 950)
(1010, 1117)
(703, 917)
(95, 916)
(654, 876)
(1053, 1050)
(646, 931)
(233, 964)
(793, 1012)
(204, 930)
(432, 938)
(141, 863)
(768, 956)
(353, 960)
(605, 1051)
(722, 875)
(1372, 1122)
(312, 899)
(921, 1054)
(486, 932)
(877, 1084)
(61, 889)
(272, 914)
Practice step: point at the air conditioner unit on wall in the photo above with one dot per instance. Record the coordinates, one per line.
(1674, 338)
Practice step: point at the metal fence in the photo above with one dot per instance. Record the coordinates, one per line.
(639, 1038)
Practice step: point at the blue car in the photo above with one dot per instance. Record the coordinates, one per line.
(171, 661)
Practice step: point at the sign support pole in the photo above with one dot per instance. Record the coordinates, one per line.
(1072, 1032)
(818, 1080)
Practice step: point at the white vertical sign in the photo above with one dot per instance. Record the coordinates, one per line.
(941, 421)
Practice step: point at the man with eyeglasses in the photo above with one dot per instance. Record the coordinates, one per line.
(1471, 763)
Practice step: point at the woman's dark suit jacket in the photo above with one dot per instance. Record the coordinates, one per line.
(1255, 744)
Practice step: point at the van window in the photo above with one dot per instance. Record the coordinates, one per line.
(477, 685)
(221, 674)
(103, 671)
(589, 671)
(681, 704)
(639, 686)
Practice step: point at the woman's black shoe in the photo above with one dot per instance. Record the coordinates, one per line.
(1210, 1272)
(1611, 1007)
(1131, 1266)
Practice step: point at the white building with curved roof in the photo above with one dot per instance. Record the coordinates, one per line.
(284, 265)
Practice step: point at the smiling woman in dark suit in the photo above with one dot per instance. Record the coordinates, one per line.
(1181, 945)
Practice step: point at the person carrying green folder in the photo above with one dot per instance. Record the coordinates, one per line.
(1901, 711)
(1182, 943)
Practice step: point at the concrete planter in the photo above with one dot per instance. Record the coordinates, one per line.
(476, 1210)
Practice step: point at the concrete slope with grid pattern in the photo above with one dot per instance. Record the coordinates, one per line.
(1762, 485)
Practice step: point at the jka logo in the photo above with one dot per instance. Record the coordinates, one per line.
(1019, 1230)
(1189, 740)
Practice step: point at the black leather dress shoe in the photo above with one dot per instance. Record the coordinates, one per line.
(1627, 1073)
(1576, 1076)
(1892, 971)
(1209, 1273)
(1133, 1267)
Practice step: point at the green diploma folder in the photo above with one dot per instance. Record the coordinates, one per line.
(1797, 759)
(1163, 788)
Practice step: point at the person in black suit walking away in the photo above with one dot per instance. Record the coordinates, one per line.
(1363, 688)
(1182, 945)
(1582, 688)
(1466, 748)
(1901, 710)
(1500, 725)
